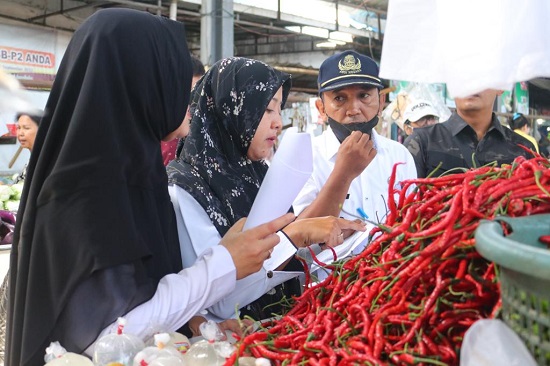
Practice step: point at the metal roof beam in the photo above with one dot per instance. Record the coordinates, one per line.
(63, 11)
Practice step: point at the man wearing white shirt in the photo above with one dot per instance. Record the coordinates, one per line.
(352, 164)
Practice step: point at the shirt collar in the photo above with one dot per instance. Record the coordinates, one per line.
(457, 124)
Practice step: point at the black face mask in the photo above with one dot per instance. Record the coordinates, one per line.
(341, 131)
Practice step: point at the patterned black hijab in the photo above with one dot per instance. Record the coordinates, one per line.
(96, 229)
(229, 103)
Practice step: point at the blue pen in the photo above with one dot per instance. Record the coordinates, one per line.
(362, 213)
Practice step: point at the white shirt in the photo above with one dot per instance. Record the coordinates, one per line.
(208, 280)
(204, 235)
(179, 296)
(369, 190)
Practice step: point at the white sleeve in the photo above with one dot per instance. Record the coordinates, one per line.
(252, 287)
(195, 229)
(306, 196)
(197, 233)
(180, 296)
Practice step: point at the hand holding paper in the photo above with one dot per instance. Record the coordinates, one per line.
(289, 171)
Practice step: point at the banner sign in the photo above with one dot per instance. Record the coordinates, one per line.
(29, 55)
(28, 65)
(521, 98)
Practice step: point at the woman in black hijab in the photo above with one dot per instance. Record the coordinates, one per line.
(96, 231)
(220, 170)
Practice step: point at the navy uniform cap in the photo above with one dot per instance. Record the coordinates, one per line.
(348, 68)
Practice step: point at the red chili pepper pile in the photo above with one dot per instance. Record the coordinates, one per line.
(410, 296)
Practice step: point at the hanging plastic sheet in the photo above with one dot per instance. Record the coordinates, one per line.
(470, 45)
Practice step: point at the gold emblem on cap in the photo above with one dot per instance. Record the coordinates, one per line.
(349, 65)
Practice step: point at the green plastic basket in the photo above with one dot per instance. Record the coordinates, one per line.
(524, 265)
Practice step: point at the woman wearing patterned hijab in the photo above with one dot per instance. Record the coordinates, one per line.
(236, 120)
(96, 234)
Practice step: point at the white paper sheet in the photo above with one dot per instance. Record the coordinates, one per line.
(290, 169)
(470, 45)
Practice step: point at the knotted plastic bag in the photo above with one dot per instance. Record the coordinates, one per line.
(56, 355)
(211, 351)
(177, 340)
(162, 354)
(117, 348)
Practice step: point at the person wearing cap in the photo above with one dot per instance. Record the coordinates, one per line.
(352, 163)
(520, 125)
(418, 114)
(471, 137)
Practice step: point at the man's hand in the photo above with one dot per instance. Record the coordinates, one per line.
(355, 153)
(239, 327)
(249, 249)
(329, 230)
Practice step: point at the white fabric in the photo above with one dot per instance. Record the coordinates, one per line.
(182, 295)
(470, 45)
(368, 191)
(203, 235)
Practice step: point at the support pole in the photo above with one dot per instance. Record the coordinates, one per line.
(217, 21)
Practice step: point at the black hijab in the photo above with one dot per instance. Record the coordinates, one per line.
(227, 107)
(96, 229)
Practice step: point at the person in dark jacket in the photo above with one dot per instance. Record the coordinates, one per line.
(471, 137)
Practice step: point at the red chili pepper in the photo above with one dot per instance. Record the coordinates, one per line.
(545, 239)
(392, 213)
(421, 291)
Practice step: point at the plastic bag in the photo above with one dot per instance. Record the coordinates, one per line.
(160, 355)
(117, 348)
(490, 342)
(56, 355)
(177, 340)
(211, 351)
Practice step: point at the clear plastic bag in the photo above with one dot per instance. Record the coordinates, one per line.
(212, 351)
(117, 348)
(177, 340)
(56, 355)
(161, 354)
(490, 342)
